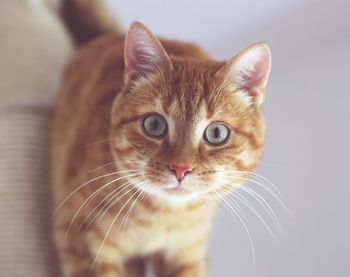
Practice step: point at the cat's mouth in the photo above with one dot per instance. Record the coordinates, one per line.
(179, 189)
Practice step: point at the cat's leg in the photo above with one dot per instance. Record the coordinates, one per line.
(159, 265)
(135, 268)
(189, 261)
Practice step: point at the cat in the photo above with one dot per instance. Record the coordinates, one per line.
(148, 137)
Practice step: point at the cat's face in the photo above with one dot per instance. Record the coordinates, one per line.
(187, 130)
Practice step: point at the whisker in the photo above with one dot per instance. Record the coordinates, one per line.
(126, 216)
(235, 204)
(258, 176)
(102, 166)
(98, 142)
(118, 190)
(85, 184)
(278, 199)
(255, 212)
(246, 203)
(108, 231)
(264, 204)
(87, 201)
(115, 199)
(230, 210)
(212, 200)
(109, 202)
(272, 185)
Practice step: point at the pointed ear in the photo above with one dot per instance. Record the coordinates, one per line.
(249, 71)
(143, 52)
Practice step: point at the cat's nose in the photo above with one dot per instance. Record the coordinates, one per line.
(180, 171)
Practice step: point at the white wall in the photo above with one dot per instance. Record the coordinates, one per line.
(307, 111)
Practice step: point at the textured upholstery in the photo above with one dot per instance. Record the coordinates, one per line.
(34, 48)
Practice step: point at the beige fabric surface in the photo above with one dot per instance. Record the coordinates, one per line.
(34, 48)
(26, 248)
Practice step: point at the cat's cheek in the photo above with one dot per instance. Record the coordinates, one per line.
(121, 142)
(246, 158)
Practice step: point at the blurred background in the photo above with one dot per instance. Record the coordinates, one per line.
(307, 112)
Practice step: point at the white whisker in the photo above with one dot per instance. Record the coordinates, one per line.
(85, 184)
(278, 199)
(115, 199)
(230, 210)
(126, 216)
(87, 201)
(108, 231)
(258, 176)
(98, 142)
(255, 212)
(102, 166)
(264, 204)
(116, 192)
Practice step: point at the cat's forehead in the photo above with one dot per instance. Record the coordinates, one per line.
(188, 93)
(188, 102)
(190, 88)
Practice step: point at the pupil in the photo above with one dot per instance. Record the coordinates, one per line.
(216, 132)
(155, 125)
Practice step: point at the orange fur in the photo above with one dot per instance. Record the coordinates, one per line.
(97, 122)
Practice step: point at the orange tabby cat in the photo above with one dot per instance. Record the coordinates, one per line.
(148, 136)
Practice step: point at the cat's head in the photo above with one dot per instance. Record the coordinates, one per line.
(192, 128)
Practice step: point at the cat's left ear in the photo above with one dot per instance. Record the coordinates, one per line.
(249, 71)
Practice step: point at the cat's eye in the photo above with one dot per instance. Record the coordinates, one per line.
(216, 134)
(155, 126)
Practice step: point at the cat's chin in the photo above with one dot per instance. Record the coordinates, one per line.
(178, 190)
(180, 195)
(175, 195)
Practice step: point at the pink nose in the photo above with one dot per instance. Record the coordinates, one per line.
(180, 171)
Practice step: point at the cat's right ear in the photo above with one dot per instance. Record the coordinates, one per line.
(143, 53)
(249, 72)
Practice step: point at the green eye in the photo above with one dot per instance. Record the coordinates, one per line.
(216, 134)
(155, 126)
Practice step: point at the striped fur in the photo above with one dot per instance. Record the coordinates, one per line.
(97, 123)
